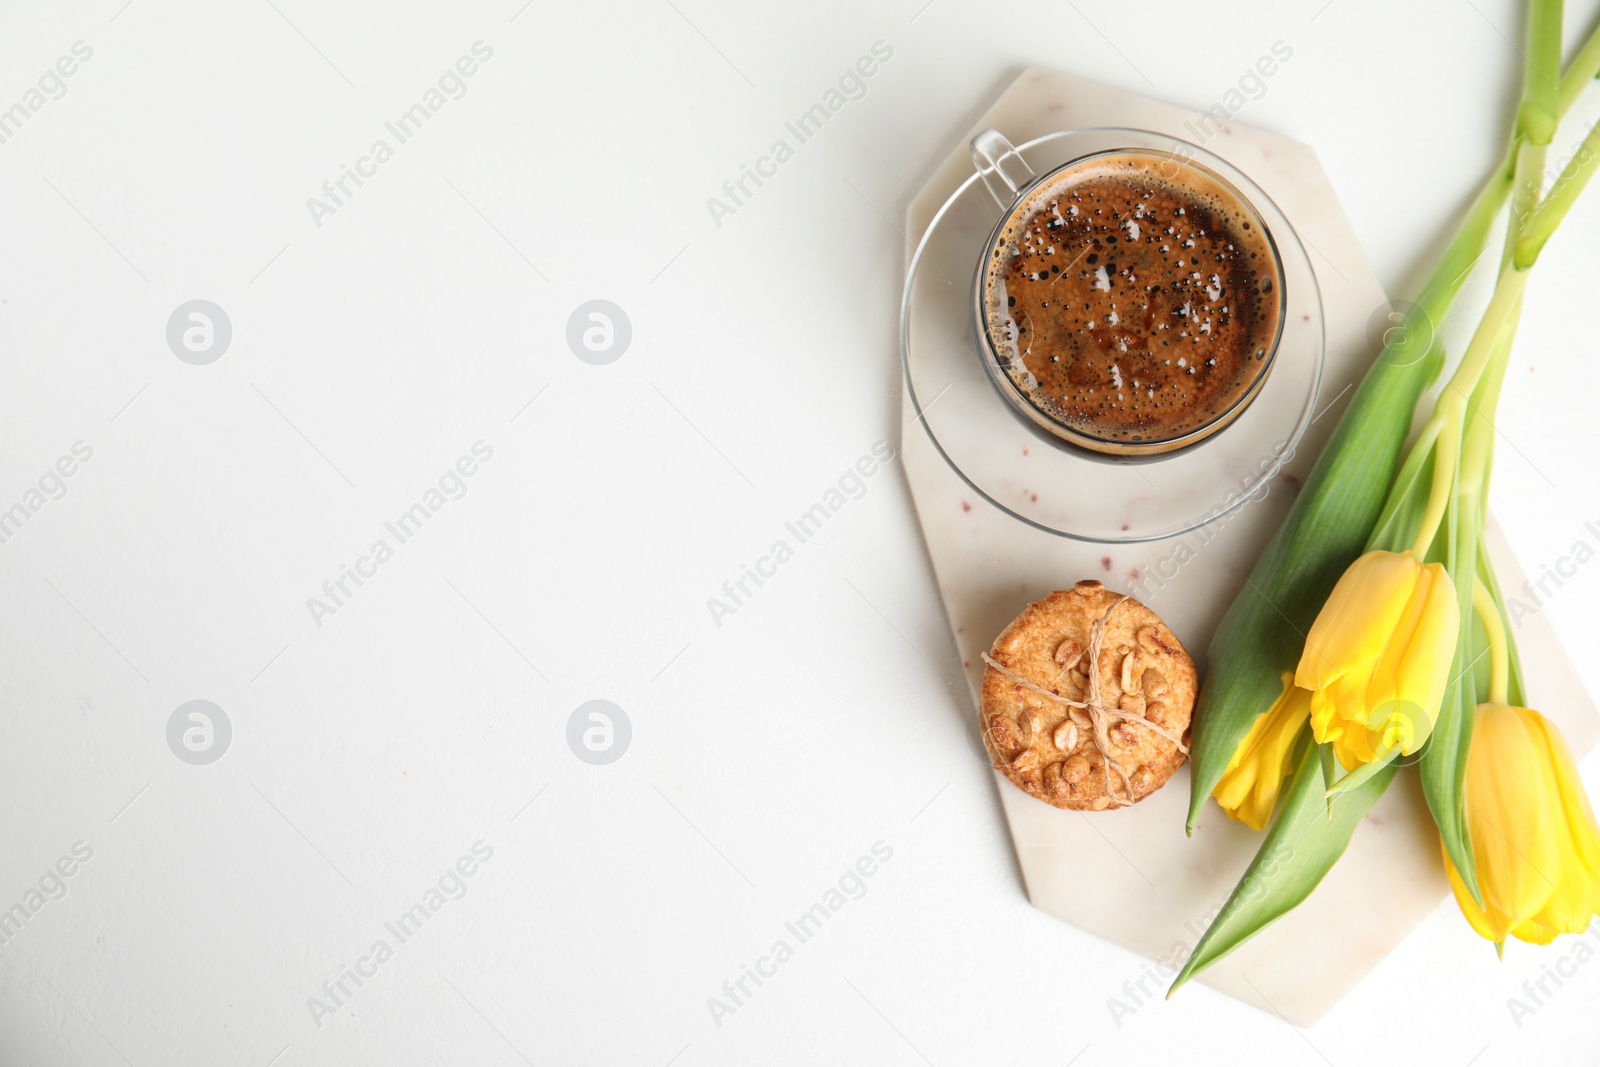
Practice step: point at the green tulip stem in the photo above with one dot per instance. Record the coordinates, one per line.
(1451, 410)
(1580, 72)
(1477, 465)
(1488, 613)
(1534, 221)
(1446, 444)
(1563, 194)
(1527, 187)
(1537, 111)
(1531, 220)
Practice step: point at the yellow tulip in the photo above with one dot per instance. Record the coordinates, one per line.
(1378, 656)
(1249, 787)
(1534, 836)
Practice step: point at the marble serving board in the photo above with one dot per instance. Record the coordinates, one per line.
(1153, 890)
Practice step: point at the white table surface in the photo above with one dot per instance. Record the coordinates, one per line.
(769, 753)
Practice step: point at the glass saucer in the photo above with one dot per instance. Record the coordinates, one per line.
(1051, 485)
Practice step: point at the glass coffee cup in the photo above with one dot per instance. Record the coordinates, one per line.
(1130, 302)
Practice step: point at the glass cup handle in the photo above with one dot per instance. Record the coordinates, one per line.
(1004, 172)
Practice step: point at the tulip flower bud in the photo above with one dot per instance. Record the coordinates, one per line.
(1249, 787)
(1534, 836)
(1378, 657)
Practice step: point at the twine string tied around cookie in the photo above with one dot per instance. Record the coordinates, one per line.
(1100, 716)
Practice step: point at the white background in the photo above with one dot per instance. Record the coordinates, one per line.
(769, 753)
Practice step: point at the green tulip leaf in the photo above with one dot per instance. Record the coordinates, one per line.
(1443, 767)
(1355, 778)
(1301, 847)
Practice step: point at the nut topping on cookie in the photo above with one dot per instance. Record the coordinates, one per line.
(1086, 700)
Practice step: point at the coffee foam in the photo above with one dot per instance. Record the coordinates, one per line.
(1153, 290)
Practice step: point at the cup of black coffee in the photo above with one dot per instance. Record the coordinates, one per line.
(1129, 302)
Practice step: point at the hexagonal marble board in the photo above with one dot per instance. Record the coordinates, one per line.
(1152, 890)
